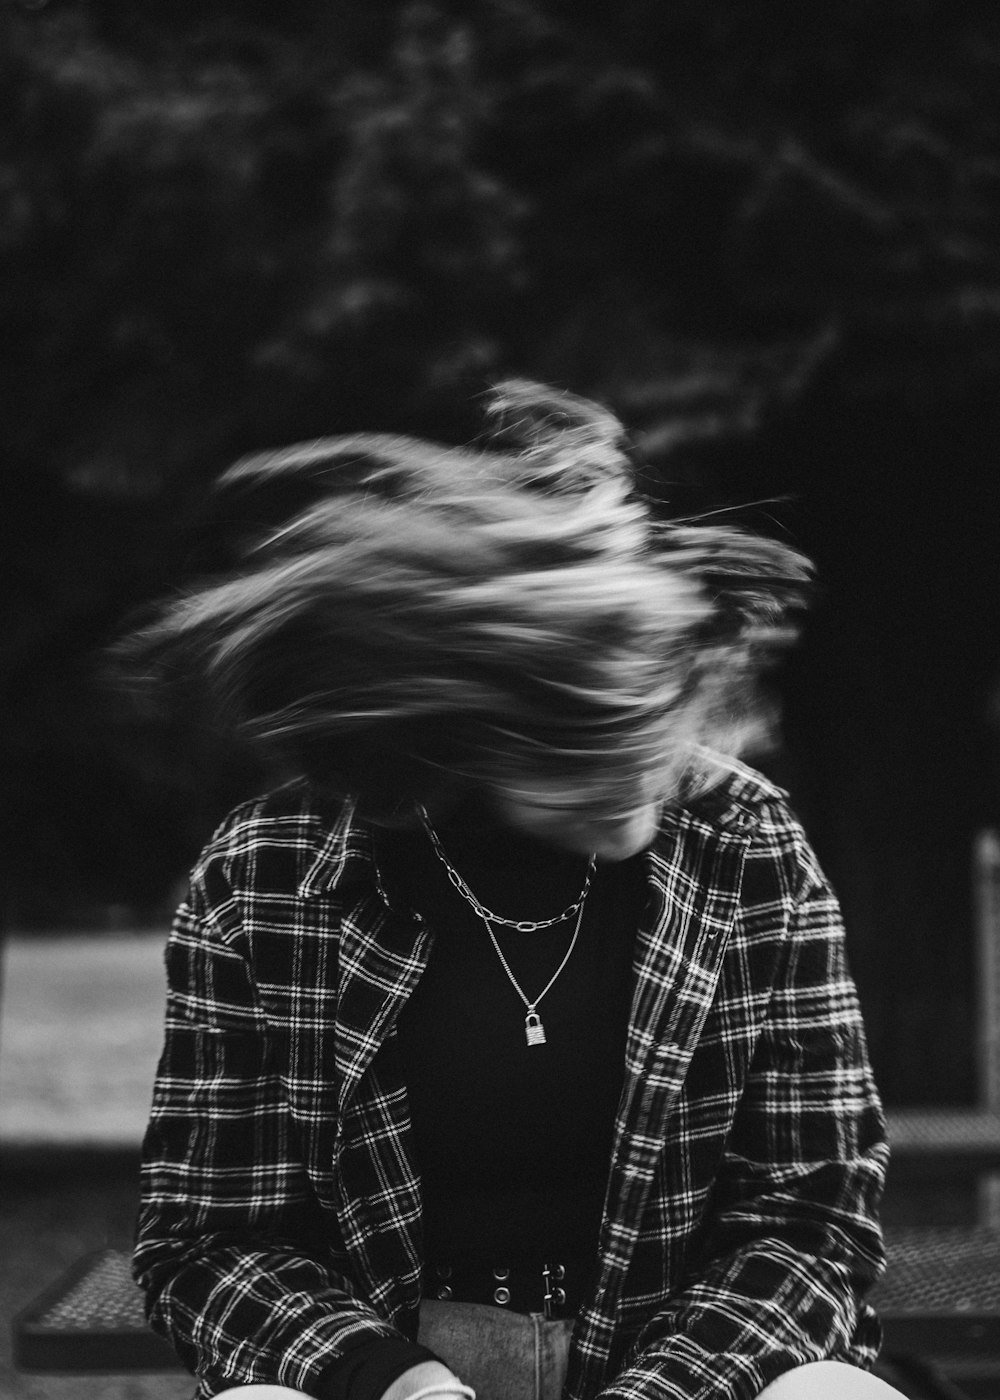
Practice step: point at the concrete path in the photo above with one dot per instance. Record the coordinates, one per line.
(80, 1035)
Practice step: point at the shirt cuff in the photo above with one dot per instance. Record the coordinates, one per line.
(367, 1371)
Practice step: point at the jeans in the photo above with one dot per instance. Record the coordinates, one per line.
(520, 1356)
(502, 1355)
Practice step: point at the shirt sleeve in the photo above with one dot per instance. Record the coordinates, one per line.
(792, 1242)
(367, 1372)
(230, 1248)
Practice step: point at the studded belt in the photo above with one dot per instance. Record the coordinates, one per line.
(546, 1289)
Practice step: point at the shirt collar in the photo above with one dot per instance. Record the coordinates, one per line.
(345, 858)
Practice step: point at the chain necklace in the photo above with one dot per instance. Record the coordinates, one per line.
(534, 1031)
(522, 925)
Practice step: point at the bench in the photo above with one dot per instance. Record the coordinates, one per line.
(944, 1299)
(90, 1319)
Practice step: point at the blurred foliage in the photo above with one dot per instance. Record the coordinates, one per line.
(222, 229)
(228, 225)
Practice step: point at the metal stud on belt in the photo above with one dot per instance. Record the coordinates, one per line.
(553, 1295)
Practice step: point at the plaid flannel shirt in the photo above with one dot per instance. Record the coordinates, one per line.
(280, 1222)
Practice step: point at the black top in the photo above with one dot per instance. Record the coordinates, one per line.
(513, 1141)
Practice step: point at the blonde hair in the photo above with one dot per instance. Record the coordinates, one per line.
(438, 613)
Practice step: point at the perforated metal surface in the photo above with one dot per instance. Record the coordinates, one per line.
(951, 1271)
(105, 1297)
(941, 1292)
(91, 1319)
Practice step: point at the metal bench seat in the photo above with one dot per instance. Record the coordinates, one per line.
(941, 1294)
(90, 1319)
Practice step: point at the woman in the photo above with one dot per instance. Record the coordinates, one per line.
(510, 1042)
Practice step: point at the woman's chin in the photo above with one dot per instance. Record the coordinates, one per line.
(611, 840)
(618, 849)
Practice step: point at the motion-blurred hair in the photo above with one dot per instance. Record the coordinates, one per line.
(438, 614)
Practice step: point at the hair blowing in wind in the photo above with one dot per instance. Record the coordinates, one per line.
(439, 614)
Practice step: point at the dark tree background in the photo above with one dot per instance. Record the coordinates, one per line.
(768, 235)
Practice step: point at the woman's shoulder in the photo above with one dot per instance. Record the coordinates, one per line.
(293, 822)
(736, 799)
(273, 812)
(726, 792)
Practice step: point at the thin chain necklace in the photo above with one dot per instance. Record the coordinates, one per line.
(534, 1031)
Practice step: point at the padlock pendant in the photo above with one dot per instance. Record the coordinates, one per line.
(534, 1031)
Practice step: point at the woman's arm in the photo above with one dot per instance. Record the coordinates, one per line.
(791, 1240)
(231, 1250)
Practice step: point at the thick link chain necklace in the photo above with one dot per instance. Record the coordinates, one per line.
(534, 1031)
(522, 925)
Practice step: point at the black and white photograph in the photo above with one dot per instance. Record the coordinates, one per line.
(499, 700)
